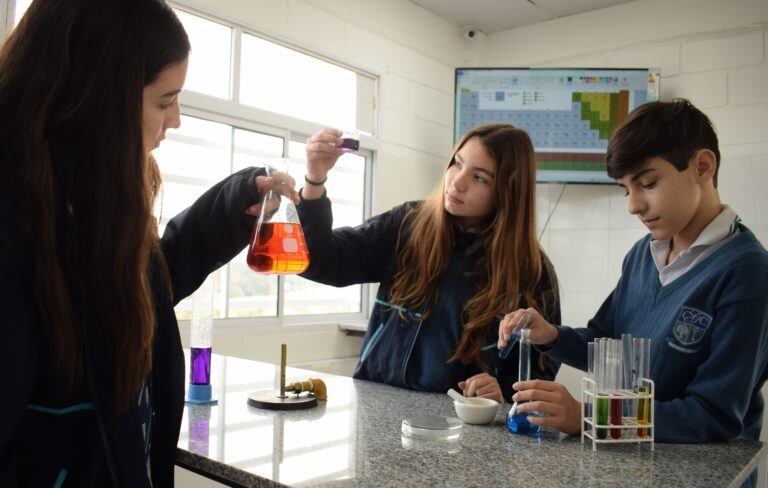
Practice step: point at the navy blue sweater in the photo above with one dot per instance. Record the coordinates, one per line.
(400, 348)
(709, 338)
(48, 436)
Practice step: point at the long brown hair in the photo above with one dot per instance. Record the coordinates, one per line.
(511, 265)
(72, 74)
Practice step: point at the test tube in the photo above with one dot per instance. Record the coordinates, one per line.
(643, 348)
(629, 373)
(518, 422)
(588, 413)
(601, 367)
(617, 380)
(350, 141)
(524, 370)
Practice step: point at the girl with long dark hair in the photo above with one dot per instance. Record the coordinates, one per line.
(447, 266)
(94, 389)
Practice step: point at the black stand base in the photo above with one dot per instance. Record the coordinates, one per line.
(269, 399)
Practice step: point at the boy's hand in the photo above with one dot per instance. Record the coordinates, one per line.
(482, 385)
(564, 412)
(542, 332)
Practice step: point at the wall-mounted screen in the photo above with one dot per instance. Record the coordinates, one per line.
(570, 113)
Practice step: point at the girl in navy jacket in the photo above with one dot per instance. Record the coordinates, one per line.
(448, 266)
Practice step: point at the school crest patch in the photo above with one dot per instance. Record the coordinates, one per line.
(691, 325)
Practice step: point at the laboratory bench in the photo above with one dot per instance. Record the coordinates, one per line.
(355, 439)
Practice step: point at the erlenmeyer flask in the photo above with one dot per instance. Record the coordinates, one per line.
(277, 243)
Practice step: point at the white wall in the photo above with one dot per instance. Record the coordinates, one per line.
(710, 51)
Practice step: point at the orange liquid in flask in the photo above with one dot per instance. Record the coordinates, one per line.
(278, 247)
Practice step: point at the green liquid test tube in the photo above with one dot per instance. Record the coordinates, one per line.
(643, 353)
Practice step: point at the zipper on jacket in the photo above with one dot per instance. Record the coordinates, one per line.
(61, 411)
(371, 342)
(410, 351)
(60, 479)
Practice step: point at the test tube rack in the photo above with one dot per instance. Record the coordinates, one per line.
(630, 428)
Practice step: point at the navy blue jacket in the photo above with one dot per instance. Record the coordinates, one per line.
(709, 338)
(396, 337)
(47, 437)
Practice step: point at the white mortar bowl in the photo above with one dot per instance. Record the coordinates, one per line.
(473, 410)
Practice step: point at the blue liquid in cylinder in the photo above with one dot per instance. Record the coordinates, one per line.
(519, 424)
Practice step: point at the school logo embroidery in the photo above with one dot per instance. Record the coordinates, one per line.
(691, 326)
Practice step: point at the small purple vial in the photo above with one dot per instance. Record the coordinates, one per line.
(349, 145)
(200, 370)
(350, 141)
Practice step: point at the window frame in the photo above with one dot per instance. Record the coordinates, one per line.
(232, 112)
(242, 122)
(7, 10)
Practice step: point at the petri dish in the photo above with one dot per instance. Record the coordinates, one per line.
(433, 427)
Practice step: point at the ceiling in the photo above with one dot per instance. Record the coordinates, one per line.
(491, 16)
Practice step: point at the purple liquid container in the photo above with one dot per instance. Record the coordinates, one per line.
(201, 336)
(200, 367)
(350, 141)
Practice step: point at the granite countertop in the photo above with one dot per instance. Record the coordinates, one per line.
(354, 439)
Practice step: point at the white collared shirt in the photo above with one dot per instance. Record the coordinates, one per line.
(718, 233)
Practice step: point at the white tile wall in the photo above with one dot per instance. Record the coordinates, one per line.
(705, 90)
(578, 307)
(397, 93)
(403, 22)
(748, 85)
(741, 124)
(733, 178)
(665, 56)
(756, 189)
(580, 259)
(434, 106)
(722, 52)
(313, 27)
(404, 180)
(647, 23)
(761, 232)
(543, 204)
(582, 207)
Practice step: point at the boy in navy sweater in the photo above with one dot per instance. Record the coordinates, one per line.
(697, 286)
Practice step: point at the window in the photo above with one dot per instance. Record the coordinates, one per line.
(19, 7)
(280, 82)
(247, 100)
(210, 60)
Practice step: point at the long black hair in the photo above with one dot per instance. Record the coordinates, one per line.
(72, 73)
